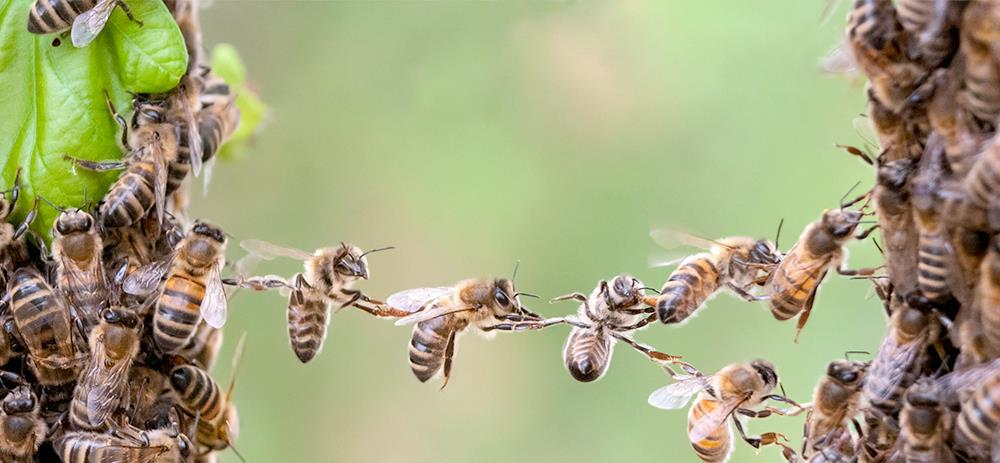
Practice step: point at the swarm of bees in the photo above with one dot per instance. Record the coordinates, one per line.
(109, 333)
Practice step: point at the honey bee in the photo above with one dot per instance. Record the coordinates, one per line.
(936, 272)
(930, 26)
(44, 327)
(103, 383)
(878, 43)
(330, 274)
(201, 397)
(22, 430)
(982, 76)
(733, 263)
(963, 138)
(156, 446)
(441, 314)
(218, 118)
(193, 289)
(13, 249)
(925, 424)
(793, 283)
(611, 312)
(77, 249)
(835, 402)
(987, 296)
(86, 18)
(895, 221)
(981, 183)
(152, 146)
(976, 425)
(732, 392)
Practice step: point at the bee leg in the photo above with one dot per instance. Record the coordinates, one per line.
(128, 12)
(653, 354)
(804, 316)
(96, 166)
(767, 438)
(859, 272)
(449, 352)
(864, 234)
(118, 118)
(565, 297)
(26, 224)
(528, 325)
(382, 311)
(746, 294)
(637, 325)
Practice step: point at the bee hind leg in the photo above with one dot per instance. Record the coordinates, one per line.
(96, 166)
(449, 352)
(767, 438)
(746, 294)
(26, 224)
(128, 12)
(653, 354)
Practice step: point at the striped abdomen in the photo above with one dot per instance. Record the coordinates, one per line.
(873, 30)
(178, 170)
(130, 197)
(977, 423)
(178, 311)
(199, 394)
(427, 347)
(49, 16)
(932, 265)
(691, 284)
(587, 353)
(716, 447)
(983, 181)
(203, 347)
(308, 315)
(89, 447)
(794, 282)
(982, 77)
(45, 326)
(219, 118)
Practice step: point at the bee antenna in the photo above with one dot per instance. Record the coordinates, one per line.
(527, 294)
(237, 360)
(847, 354)
(782, 387)
(51, 204)
(778, 234)
(233, 448)
(376, 250)
(647, 288)
(844, 198)
(513, 276)
(875, 242)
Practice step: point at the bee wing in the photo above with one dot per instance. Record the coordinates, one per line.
(194, 142)
(91, 22)
(670, 238)
(866, 130)
(840, 61)
(100, 399)
(711, 421)
(146, 279)
(890, 367)
(677, 395)
(956, 385)
(214, 307)
(268, 251)
(412, 300)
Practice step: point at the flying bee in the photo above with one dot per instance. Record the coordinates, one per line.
(879, 46)
(201, 397)
(835, 403)
(329, 277)
(925, 425)
(976, 425)
(611, 313)
(982, 77)
(793, 283)
(156, 446)
(733, 263)
(732, 392)
(22, 430)
(441, 314)
(77, 249)
(152, 145)
(104, 382)
(13, 249)
(86, 17)
(193, 289)
(44, 327)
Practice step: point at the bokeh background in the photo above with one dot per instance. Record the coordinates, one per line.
(472, 134)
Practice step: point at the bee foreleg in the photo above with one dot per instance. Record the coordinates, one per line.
(745, 294)
(804, 316)
(382, 311)
(128, 12)
(26, 224)
(96, 166)
(639, 324)
(767, 438)
(526, 325)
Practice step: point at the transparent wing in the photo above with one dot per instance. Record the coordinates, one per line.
(840, 61)
(160, 180)
(866, 130)
(891, 366)
(432, 313)
(956, 385)
(214, 307)
(268, 251)
(677, 395)
(711, 421)
(670, 239)
(194, 140)
(207, 175)
(91, 22)
(101, 400)
(412, 300)
(146, 279)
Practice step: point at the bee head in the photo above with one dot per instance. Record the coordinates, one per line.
(923, 393)
(503, 294)
(840, 223)
(209, 231)
(764, 252)
(73, 221)
(350, 261)
(21, 400)
(766, 372)
(892, 175)
(846, 372)
(120, 316)
(625, 289)
(910, 321)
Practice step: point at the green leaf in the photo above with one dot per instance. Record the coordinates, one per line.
(53, 99)
(227, 64)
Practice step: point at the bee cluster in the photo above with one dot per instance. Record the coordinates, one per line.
(110, 333)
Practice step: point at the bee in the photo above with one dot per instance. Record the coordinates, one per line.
(793, 283)
(77, 249)
(895, 221)
(330, 274)
(878, 43)
(44, 327)
(981, 183)
(22, 430)
(935, 255)
(732, 392)
(156, 446)
(104, 382)
(13, 249)
(86, 17)
(930, 27)
(193, 289)
(982, 76)
(218, 118)
(963, 138)
(150, 398)
(442, 313)
(201, 397)
(152, 146)
(733, 263)
(925, 424)
(611, 312)
(976, 424)
(835, 402)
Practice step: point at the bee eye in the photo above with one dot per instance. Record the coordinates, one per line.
(110, 316)
(501, 298)
(849, 376)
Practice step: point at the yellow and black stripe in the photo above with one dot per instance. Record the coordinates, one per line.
(427, 347)
(45, 326)
(130, 197)
(51, 16)
(178, 311)
(308, 313)
(688, 287)
(794, 281)
(587, 353)
(715, 447)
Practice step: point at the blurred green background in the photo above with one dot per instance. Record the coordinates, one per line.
(471, 134)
